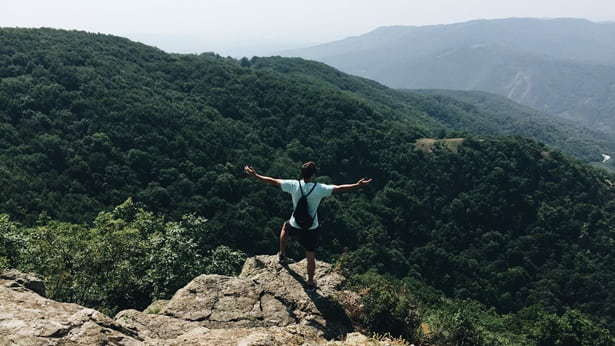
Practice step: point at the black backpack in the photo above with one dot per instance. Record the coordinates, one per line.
(301, 213)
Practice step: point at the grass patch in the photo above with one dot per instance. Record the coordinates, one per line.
(429, 145)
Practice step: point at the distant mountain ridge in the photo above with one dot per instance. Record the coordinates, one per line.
(562, 66)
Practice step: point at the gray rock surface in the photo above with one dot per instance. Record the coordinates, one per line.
(27, 318)
(26, 280)
(156, 306)
(267, 304)
(265, 294)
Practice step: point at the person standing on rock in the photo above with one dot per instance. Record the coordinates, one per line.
(306, 232)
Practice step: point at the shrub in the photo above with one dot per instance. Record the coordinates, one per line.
(387, 306)
(4, 263)
(224, 261)
(571, 328)
(10, 242)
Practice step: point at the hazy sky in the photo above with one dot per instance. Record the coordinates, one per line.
(258, 26)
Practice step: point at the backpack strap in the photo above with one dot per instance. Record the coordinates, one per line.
(300, 187)
(313, 187)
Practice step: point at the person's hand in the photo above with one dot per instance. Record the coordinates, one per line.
(249, 170)
(364, 181)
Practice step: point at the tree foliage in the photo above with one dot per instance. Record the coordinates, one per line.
(113, 154)
(128, 258)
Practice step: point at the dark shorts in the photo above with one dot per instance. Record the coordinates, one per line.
(309, 239)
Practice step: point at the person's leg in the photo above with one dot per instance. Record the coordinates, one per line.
(283, 240)
(310, 243)
(311, 267)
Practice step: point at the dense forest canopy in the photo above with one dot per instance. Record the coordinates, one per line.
(462, 111)
(89, 122)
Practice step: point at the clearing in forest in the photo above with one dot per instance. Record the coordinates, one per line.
(429, 144)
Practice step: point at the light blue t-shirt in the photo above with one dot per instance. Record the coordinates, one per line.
(320, 191)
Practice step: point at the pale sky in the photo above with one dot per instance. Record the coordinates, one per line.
(233, 27)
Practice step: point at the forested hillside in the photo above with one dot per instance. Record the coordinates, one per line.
(563, 66)
(485, 113)
(89, 121)
(462, 111)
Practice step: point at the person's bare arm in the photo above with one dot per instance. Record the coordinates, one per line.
(269, 180)
(349, 187)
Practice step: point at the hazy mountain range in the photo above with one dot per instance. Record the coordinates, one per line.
(564, 67)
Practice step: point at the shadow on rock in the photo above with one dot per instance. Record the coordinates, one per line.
(338, 324)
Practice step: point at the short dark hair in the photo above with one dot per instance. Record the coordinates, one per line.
(308, 169)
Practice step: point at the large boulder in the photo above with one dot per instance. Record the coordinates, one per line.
(318, 308)
(267, 304)
(28, 318)
(265, 294)
(218, 301)
(25, 280)
(164, 330)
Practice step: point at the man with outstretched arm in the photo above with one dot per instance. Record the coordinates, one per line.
(308, 237)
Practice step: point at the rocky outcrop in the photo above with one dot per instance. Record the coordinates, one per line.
(25, 280)
(265, 294)
(28, 318)
(267, 304)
